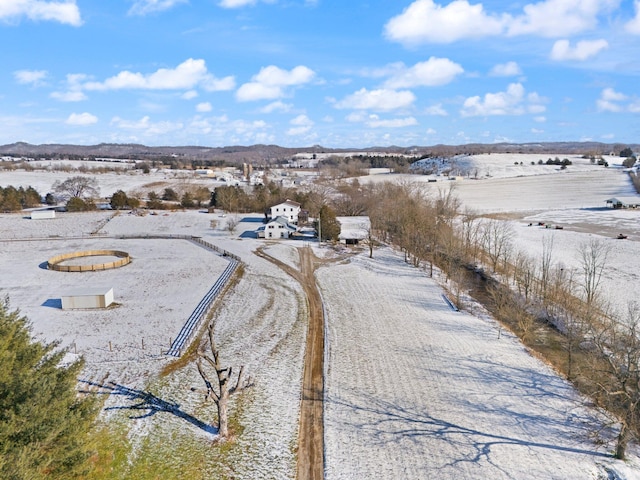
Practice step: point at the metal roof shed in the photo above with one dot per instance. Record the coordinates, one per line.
(88, 299)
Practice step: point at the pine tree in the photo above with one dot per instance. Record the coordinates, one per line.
(43, 423)
(329, 226)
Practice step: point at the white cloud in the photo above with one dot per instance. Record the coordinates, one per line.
(236, 3)
(74, 91)
(245, 3)
(146, 127)
(382, 99)
(302, 120)
(355, 117)
(81, 119)
(509, 69)
(188, 75)
(634, 107)
(583, 50)
(273, 75)
(633, 26)
(436, 110)
(271, 81)
(30, 77)
(433, 72)
(189, 95)
(277, 106)
(556, 18)
(257, 91)
(213, 84)
(375, 122)
(608, 101)
(204, 107)
(511, 102)
(63, 12)
(69, 96)
(425, 21)
(296, 131)
(430, 131)
(144, 7)
(301, 125)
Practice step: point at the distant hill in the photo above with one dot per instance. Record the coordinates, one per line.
(274, 153)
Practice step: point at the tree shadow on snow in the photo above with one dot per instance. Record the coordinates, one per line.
(144, 402)
(388, 422)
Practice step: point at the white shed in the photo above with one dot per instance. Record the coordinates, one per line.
(42, 214)
(89, 298)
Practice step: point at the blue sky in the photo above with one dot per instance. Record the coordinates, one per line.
(334, 73)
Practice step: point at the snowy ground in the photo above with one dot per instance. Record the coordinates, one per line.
(131, 181)
(414, 390)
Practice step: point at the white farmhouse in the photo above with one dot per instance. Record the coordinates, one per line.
(288, 209)
(279, 227)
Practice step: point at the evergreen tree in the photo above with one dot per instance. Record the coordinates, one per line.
(77, 204)
(329, 226)
(119, 200)
(43, 423)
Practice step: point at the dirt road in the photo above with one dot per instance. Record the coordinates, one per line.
(311, 433)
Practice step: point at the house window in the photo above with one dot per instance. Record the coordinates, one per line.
(281, 234)
(270, 234)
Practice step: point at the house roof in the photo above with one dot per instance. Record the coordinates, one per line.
(356, 227)
(286, 202)
(284, 222)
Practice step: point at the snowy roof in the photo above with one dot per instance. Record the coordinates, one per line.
(286, 202)
(356, 227)
(284, 222)
(88, 292)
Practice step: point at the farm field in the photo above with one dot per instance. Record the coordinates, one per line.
(413, 389)
(416, 390)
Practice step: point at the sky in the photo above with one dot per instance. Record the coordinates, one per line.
(335, 73)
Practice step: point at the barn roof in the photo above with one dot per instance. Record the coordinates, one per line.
(356, 227)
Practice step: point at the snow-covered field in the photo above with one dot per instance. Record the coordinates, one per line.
(131, 181)
(414, 390)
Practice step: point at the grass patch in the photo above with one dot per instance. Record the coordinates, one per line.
(165, 447)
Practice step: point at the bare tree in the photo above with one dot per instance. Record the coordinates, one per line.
(369, 239)
(509, 309)
(593, 260)
(232, 223)
(570, 318)
(497, 237)
(618, 344)
(221, 394)
(470, 226)
(525, 274)
(545, 266)
(76, 187)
